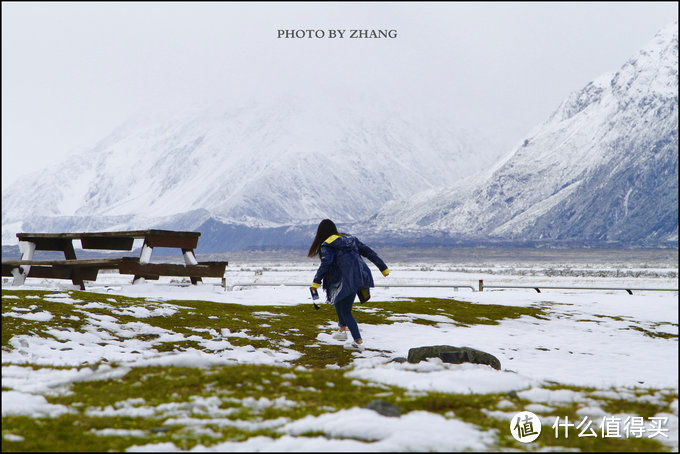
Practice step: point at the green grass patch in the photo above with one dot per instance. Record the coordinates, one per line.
(220, 399)
(303, 393)
(656, 334)
(637, 406)
(297, 325)
(64, 315)
(463, 313)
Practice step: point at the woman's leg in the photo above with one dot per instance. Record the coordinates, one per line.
(344, 311)
(341, 320)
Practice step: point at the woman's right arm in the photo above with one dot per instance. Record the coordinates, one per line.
(373, 257)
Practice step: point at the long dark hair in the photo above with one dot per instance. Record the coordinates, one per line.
(326, 228)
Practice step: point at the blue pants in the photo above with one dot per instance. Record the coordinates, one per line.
(345, 318)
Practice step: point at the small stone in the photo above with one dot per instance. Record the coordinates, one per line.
(398, 359)
(384, 408)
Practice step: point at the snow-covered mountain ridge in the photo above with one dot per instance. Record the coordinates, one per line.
(267, 163)
(603, 166)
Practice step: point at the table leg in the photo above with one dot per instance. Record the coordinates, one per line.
(27, 249)
(190, 259)
(70, 254)
(144, 258)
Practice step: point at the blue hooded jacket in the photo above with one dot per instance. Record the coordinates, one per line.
(342, 269)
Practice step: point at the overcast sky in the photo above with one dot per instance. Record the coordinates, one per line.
(71, 72)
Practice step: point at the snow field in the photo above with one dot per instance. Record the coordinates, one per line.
(603, 344)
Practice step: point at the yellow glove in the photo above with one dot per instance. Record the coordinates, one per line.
(315, 285)
(386, 272)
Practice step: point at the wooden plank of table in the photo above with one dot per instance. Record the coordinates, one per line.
(78, 235)
(49, 244)
(101, 263)
(176, 241)
(213, 269)
(7, 268)
(26, 236)
(120, 241)
(74, 273)
(77, 274)
(108, 243)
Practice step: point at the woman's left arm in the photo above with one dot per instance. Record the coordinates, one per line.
(327, 256)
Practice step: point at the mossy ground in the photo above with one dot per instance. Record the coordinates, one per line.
(167, 395)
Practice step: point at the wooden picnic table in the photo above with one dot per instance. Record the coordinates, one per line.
(80, 270)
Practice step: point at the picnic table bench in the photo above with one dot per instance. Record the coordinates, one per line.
(80, 270)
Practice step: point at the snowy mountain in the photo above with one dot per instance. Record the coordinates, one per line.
(258, 164)
(602, 167)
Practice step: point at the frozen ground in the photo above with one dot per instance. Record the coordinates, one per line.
(604, 339)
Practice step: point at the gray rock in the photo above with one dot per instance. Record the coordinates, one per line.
(384, 408)
(454, 355)
(398, 359)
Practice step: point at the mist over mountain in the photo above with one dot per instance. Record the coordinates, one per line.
(602, 168)
(265, 163)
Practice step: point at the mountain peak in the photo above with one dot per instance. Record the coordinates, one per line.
(602, 167)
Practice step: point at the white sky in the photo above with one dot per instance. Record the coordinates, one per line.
(71, 72)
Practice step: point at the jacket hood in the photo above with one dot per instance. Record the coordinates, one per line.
(340, 241)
